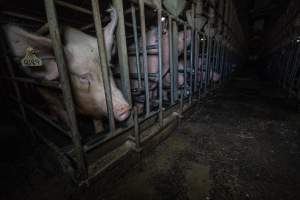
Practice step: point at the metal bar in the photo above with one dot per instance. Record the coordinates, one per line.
(44, 83)
(43, 29)
(122, 51)
(136, 43)
(145, 60)
(185, 59)
(170, 24)
(175, 59)
(66, 88)
(202, 64)
(196, 61)
(22, 16)
(43, 117)
(160, 67)
(103, 62)
(73, 7)
(136, 129)
(12, 75)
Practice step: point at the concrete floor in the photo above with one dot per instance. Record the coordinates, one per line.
(241, 143)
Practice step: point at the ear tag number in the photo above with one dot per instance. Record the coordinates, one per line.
(30, 59)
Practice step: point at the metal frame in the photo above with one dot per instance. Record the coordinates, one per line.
(139, 129)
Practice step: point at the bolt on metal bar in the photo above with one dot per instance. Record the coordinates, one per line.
(171, 64)
(202, 65)
(103, 64)
(122, 51)
(136, 43)
(66, 88)
(145, 60)
(160, 67)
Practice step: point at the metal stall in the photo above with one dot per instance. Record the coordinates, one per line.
(159, 80)
(282, 51)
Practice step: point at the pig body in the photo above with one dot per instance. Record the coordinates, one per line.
(153, 67)
(82, 57)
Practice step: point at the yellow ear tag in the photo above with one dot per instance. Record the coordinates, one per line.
(30, 59)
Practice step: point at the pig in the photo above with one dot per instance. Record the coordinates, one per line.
(213, 76)
(151, 39)
(83, 62)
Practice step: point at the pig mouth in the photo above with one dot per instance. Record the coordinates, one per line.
(122, 115)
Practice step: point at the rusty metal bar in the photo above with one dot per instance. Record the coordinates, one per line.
(66, 88)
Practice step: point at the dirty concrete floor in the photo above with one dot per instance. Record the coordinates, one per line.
(243, 142)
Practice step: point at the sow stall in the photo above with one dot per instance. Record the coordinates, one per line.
(282, 51)
(215, 47)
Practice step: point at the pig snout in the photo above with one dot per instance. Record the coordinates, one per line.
(121, 111)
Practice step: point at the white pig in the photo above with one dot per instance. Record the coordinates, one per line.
(82, 58)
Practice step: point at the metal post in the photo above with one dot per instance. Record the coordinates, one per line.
(171, 59)
(185, 60)
(103, 63)
(196, 61)
(144, 49)
(160, 88)
(66, 89)
(175, 59)
(122, 51)
(137, 48)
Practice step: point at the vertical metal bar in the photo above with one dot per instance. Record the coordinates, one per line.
(196, 61)
(185, 59)
(66, 89)
(171, 58)
(144, 49)
(122, 51)
(192, 49)
(137, 48)
(103, 62)
(12, 75)
(160, 88)
(175, 59)
(202, 64)
(136, 128)
(207, 62)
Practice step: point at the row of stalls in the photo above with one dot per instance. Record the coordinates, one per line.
(282, 51)
(161, 59)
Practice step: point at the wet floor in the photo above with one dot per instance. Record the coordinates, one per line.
(243, 142)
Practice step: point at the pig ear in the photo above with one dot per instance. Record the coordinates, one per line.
(19, 40)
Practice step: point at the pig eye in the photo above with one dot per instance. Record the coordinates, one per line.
(85, 78)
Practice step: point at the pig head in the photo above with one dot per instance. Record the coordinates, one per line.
(82, 57)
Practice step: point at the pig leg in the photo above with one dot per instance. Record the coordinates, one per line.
(109, 32)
